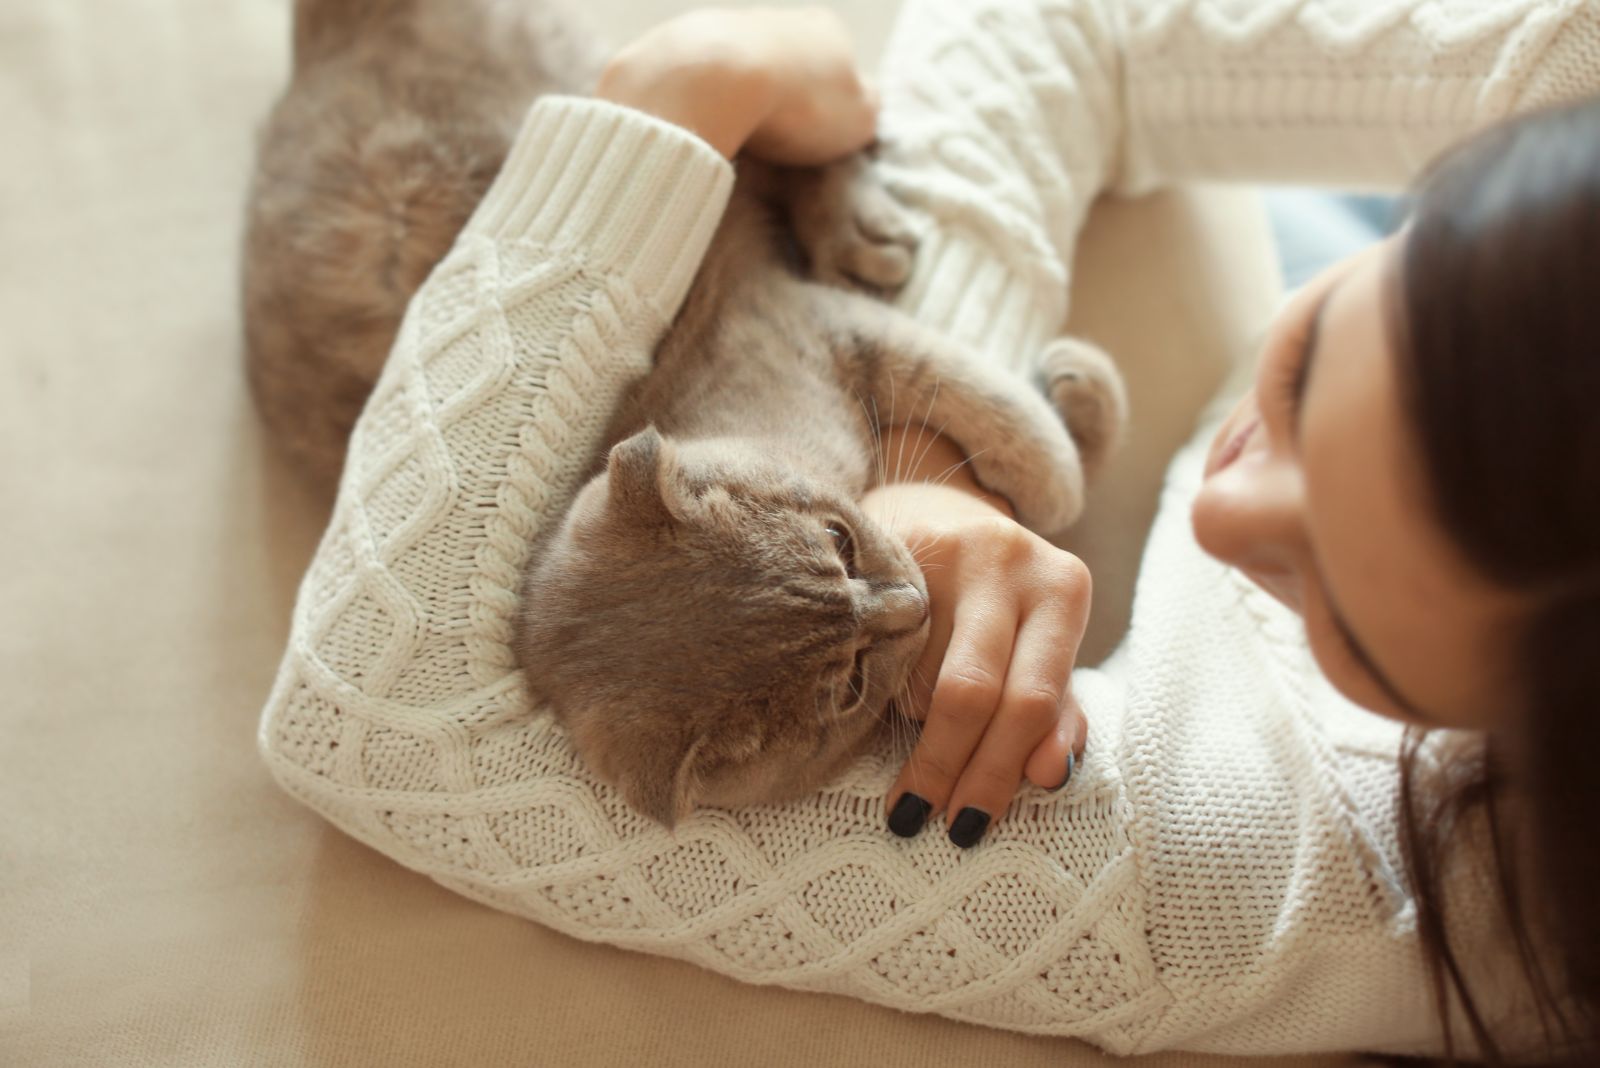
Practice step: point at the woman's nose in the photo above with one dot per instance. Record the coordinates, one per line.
(1251, 514)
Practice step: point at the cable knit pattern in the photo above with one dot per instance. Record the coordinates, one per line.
(1222, 875)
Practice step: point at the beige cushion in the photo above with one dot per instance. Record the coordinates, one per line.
(161, 903)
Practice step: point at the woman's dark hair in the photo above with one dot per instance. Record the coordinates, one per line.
(1497, 324)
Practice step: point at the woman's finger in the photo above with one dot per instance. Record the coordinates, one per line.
(1029, 715)
(1048, 766)
(919, 688)
(964, 699)
(1064, 598)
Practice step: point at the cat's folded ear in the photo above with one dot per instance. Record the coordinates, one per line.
(666, 791)
(636, 469)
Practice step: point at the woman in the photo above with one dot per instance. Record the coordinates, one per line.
(1413, 474)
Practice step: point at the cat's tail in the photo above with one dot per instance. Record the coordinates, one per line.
(323, 28)
(552, 36)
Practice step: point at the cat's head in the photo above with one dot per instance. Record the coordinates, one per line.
(715, 629)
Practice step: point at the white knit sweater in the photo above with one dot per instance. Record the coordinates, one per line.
(1223, 874)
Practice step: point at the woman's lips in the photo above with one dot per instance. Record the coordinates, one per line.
(1230, 452)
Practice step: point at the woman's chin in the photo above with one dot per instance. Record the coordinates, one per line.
(1280, 586)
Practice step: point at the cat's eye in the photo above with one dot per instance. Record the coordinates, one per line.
(858, 677)
(846, 546)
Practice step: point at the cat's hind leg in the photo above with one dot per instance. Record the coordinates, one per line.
(1088, 393)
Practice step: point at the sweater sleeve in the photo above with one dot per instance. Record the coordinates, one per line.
(495, 397)
(612, 190)
(1005, 118)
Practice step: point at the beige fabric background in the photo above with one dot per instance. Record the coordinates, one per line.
(161, 903)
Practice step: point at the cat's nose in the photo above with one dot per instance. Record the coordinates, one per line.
(901, 609)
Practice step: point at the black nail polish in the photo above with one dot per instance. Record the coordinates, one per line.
(969, 827)
(910, 813)
(1072, 765)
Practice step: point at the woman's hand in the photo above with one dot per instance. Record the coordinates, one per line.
(779, 82)
(1008, 612)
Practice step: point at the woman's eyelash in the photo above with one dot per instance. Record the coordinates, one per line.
(1290, 379)
(1297, 379)
(1297, 372)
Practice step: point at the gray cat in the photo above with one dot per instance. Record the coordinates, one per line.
(396, 119)
(715, 620)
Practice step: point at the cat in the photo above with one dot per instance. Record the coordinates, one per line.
(714, 619)
(397, 117)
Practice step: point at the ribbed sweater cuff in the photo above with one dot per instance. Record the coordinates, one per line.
(631, 194)
(962, 289)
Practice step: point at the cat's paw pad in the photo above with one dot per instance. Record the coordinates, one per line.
(853, 230)
(1087, 392)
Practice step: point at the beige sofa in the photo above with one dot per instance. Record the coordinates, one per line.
(161, 902)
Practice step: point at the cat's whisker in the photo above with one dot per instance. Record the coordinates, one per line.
(893, 519)
(899, 456)
(920, 450)
(927, 444)
(874, 435)
(900, 445)
(905, 724)
(897, 713)
(899, 727)
(948, 473)
(883, 455)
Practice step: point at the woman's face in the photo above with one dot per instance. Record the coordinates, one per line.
(1315, 491)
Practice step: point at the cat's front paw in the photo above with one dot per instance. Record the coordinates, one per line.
(1042, 479)
(853, 231)
(1019, 449)
(1087, 392)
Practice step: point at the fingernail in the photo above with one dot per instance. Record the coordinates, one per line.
(910, 813)
(1072, 765)
(969, 827)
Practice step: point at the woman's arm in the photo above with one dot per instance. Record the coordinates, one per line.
(781, 84)
(507, 367)
(1004, 119)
